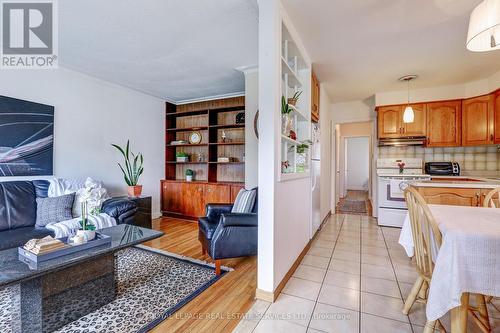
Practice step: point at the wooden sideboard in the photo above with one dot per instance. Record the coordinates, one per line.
(453, 123)
(188, 199)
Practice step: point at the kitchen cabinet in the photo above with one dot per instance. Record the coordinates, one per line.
(451, 196)
(418, 126)
(496, 110)
(444, 124)
(391, 125)
(478, 121)
(188, 199)
(389, 119)
(315, 98)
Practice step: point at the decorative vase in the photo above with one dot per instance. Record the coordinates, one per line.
(135, 191)
(284, 124)
(189, 178)
(88, 235)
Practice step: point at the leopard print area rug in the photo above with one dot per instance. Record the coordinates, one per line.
(151, 286)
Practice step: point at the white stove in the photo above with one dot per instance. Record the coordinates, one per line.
(391, 183)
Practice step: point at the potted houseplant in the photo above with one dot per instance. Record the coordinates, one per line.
(132, 170)
(301, 159)
(286, 120)
(189, 175)
(182, 157)
(87, 229)
(295, 98)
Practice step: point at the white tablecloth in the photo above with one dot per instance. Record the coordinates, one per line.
(469, 257)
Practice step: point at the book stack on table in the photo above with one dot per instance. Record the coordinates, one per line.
(45, 245)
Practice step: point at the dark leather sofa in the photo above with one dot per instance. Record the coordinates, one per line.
(18, 211)
(223, 234)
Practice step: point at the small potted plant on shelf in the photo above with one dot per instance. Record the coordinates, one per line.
(301, 159)
(286, 120)
(182, 157)
(189, 175)
(295, 98)
(133, 169)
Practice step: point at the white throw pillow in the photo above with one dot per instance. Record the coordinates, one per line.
(244, 201)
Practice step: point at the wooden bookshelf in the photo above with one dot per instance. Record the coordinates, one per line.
(213, 120)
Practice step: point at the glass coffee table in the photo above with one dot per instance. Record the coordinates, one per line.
(58, 291)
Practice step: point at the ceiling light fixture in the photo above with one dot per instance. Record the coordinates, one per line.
(484, 27)
(408, 114)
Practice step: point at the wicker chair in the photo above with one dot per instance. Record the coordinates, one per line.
(492, 198)
(426, 233)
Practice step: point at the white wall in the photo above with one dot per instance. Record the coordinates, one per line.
(251, 141)
(357, 163)
(326, 152)
(354, 111)
(90, 114)
(284, 207)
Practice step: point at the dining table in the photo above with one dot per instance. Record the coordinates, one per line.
(468, 260)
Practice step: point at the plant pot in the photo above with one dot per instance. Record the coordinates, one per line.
(292, 101)
(134, 191)
(189, 178)
(183, 159)
(86, 234)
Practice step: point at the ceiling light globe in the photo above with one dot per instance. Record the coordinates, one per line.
(408, 115)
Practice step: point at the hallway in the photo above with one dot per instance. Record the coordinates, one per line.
(355, 203)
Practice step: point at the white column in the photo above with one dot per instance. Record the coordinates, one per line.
(268, 155)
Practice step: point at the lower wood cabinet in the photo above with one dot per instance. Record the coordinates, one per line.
(454, 196)
(188, 199)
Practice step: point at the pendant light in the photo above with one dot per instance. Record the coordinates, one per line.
(408, 114)
(484, 27)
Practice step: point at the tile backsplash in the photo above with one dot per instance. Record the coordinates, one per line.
(481, 158)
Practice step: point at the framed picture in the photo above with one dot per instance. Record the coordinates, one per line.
(26, 138)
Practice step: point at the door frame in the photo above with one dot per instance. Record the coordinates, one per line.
(343, 168)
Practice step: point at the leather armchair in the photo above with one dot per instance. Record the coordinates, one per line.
(223, 234)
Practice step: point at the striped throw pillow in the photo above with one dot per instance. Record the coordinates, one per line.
(244, 201)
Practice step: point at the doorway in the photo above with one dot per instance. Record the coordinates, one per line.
(357, 163)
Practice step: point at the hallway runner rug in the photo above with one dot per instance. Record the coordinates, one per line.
(151, 286)
(351, 206)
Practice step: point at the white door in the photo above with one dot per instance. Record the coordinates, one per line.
(357, 163)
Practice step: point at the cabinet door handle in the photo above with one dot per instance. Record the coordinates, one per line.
(477, 198)
(209, 190)
(491, 137)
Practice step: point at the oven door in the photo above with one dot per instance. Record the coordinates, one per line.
(385, 200)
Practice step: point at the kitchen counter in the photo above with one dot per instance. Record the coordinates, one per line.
(459, 182)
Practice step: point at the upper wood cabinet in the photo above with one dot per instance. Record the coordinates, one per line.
(389, 119)
(418, 126)
(496, 107)
(478, 121)
(444, 124)
(314, 98)
(391, 125)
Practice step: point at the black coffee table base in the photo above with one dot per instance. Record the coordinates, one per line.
(51, 301)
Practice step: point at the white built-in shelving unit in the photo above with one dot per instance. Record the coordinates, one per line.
(295, 76)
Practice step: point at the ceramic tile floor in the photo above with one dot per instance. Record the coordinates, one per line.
(353, 279)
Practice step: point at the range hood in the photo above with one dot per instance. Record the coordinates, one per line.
(409, 141)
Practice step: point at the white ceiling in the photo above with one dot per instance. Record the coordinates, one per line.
(174, 49)
(360, 47)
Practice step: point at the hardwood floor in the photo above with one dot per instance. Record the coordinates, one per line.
(220, 307)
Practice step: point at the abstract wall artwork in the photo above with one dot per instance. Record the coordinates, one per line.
(26, 138)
